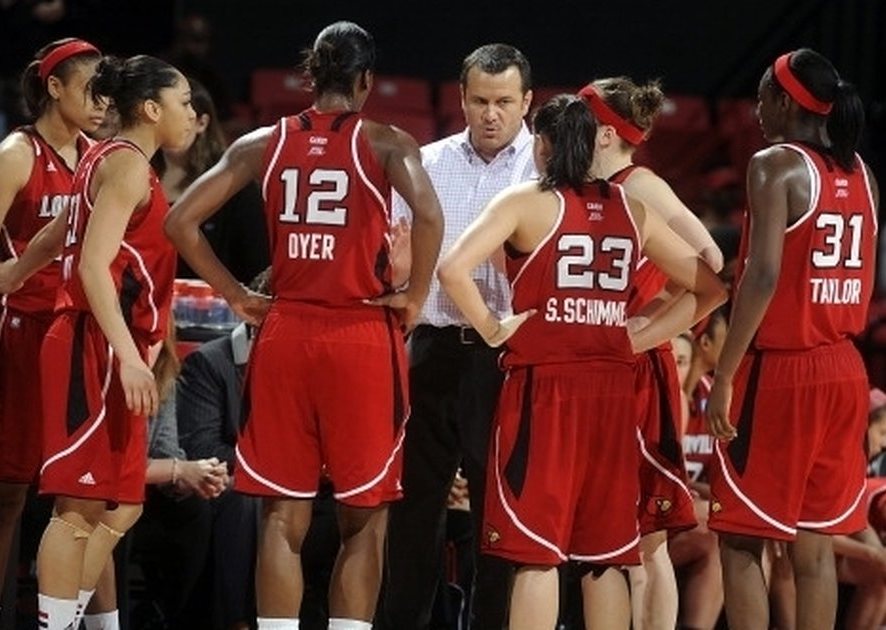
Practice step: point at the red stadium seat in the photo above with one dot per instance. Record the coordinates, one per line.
(543, 93)
(449, 99)
(682, 141)
(422, 127)
(277, 92)
(739, 126)
(400, 94)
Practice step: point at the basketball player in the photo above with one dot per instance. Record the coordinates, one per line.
(790, 391)
(625, 114)
(566, 412)
(326, 384)
(37, 164)
(112, 311)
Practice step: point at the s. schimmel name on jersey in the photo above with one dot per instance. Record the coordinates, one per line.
(835, 290)
(589, 311)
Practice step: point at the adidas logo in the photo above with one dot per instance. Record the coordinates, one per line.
(50, 168)
(87, 479)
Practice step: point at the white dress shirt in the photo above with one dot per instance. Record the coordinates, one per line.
(465, 183)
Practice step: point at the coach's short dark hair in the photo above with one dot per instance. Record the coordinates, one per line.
(495, 59)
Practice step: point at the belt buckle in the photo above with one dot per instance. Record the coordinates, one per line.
(465, 341)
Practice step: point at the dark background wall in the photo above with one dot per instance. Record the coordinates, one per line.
(712, 47)
(706, 47)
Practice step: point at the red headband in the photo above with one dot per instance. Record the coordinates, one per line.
(608, 116)
(797, 91)
(62, 53)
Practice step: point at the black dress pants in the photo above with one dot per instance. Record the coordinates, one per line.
(454, 386)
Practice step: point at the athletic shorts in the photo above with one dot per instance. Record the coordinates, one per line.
(562, 481)
(21, 401)
(665, 500)
(93, 446)
(326, 394)
(799, 459)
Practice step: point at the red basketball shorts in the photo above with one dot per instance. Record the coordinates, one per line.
(326, 394)
(21, 401)
(665, 500)
(799, 459)
(93, 446)
(562, 481)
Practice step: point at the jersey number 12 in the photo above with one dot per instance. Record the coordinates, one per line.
(328, 187)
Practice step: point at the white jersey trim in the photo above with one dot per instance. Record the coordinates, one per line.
(547, 544)
(747, 501)
(627, 211)
(9, 244)
(344, 494)
(155, 315)
(295, 494)
(108, 148)
(839, 519)
(607, 555)
(657, 465)
(554, 228)
(359, 166)
(273, 162)
(814, 186)
(95, 424)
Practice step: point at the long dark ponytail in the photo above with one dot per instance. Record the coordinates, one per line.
(846, 119)
(569, 125)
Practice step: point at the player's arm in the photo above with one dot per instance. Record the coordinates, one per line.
(875, 187)
(16, 164)
(702, 290)
(495, 225)
(655, 193)
(402, 163)
(240, 164)
(45, 246)
(771, 173)
(122, 184)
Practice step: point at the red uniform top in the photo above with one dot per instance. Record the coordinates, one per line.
(46, 194)
(698, 443)
(579, 279)
(649, 280)
(827, 267)
(327, 205)
(144, 268)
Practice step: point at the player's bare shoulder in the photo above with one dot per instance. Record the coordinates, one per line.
(389, 141)
(248, 150)
(776, 160)
(16, 159)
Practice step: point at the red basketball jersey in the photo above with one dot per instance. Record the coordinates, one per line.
(648, 280)
(827, 267)
(698, 443)
(46, 194)
(327, 204)
(144, 268)
(579, 279)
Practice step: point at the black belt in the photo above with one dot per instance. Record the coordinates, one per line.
(464, 335)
